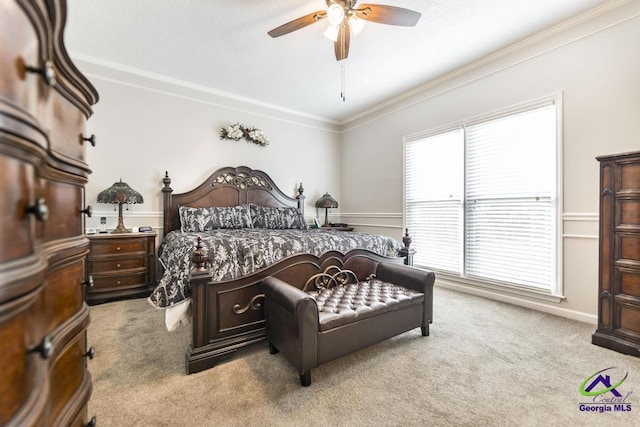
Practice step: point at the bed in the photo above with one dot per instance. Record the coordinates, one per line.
(222, 238)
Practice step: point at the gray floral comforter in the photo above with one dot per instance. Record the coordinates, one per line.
(235, 253)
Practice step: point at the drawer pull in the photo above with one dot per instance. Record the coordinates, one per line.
(118, 282)
(91, 139)
(39, 209)
(89, 282)
(47, 72)
(118, 265)
(45, 348)
(118, 248)
(88, 211)
(92, 422)
(91, 353)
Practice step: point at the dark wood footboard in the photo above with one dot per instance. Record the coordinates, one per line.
(228, 316)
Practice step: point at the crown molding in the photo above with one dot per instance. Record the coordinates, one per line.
(101, 69)
(610, 14)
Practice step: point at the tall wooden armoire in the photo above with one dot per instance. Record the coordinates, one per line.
(619, 281)
(44, 103)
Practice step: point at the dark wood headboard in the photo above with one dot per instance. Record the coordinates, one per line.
(227, 186)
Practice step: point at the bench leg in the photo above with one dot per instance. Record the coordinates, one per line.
(273, 349)
(305, 379)
(425, 330)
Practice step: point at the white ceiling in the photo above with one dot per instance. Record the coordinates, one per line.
(224, 46)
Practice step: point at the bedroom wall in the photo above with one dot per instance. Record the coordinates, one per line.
(147, 124)
(594, 65)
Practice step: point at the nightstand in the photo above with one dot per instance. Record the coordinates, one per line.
(338, 228)
(121, 266)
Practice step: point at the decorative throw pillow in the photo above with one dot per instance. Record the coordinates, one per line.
(210, 218)
(277, 218)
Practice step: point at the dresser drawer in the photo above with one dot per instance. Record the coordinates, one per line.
(629, 177)
(62, 295)
(627, 249)
(114, 265)
(64, 202)
(117, 246)
(66, 126)
(628, 214)
(629, 324)
(18, 366)
(629, 280)
(113, 281)
(69, 375)
(20, 48)
(16, 187)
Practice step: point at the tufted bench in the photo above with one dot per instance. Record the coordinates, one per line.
(344, 314)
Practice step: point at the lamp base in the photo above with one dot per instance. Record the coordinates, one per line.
(120, 228)
(326, 218)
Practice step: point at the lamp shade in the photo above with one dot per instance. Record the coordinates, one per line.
(120, 193)
(326, 202)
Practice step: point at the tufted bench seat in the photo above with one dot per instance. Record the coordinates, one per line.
(340, 305)
(342, 316)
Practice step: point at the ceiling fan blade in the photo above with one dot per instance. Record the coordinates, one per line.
(390, 15)
(296, 24)
(341, 46)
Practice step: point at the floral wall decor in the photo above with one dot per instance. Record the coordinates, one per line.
(237, 131)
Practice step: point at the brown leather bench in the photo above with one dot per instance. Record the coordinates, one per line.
(344, 314)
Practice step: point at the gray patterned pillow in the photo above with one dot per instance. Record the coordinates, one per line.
(277, 218)
(211, 218)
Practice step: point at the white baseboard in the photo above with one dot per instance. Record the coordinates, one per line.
(534, 305)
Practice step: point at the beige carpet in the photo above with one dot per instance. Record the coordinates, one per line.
(485, 363)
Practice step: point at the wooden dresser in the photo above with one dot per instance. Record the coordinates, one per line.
(121, 266)
(619, 279)
(44, 103)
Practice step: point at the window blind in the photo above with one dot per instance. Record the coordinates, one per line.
(433, 192)
(510, 182)
(480, 200)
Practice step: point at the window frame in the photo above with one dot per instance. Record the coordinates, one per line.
(555, 292)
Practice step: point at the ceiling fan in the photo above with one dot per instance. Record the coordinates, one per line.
(344, 17)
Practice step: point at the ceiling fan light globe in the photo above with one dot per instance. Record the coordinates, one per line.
(357, 25)
(335, 14)
(332, 32)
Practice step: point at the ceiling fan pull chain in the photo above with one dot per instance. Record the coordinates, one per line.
(342, 84)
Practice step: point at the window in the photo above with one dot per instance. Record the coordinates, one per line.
(481, 199)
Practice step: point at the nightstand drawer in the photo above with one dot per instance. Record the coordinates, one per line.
(117, 246)
(119, 282)
(116, 264)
